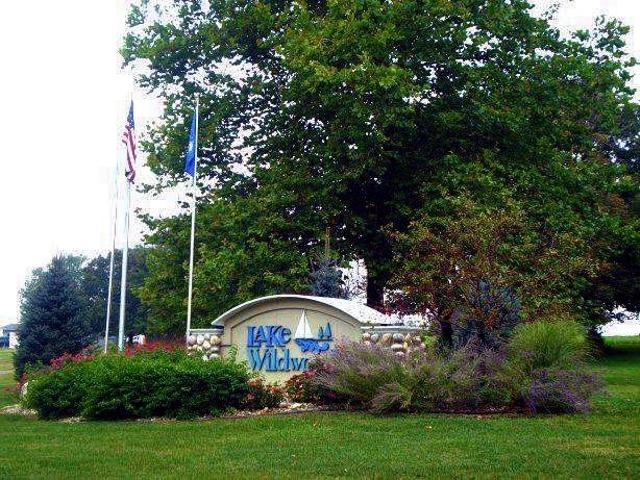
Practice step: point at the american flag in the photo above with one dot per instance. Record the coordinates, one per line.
(129, 140)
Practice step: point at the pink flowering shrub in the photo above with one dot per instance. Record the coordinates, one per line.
(262, 395)
(58, 362)
(165, 344)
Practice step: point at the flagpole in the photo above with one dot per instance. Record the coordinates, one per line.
(111, 262)
(123, 278)
(193, 222)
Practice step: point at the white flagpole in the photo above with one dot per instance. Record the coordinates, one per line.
(123, 281)
(111, 262)
(193, 223)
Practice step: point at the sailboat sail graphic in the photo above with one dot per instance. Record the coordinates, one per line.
(303, 330)
(305, 340)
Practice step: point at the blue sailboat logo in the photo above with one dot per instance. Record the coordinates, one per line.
(305, 339)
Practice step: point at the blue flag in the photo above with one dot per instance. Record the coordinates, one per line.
(190, 159)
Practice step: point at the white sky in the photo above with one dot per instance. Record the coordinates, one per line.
(63, 103)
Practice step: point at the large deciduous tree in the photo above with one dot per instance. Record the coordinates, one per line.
(367, 115)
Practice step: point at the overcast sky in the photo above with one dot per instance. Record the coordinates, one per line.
(63, 103)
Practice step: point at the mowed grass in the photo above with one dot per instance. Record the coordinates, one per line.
(604, 443)
(7, 396)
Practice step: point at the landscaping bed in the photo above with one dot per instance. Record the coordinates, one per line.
(601, 444)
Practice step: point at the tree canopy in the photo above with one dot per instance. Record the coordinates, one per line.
(377, 119)
(95, 287)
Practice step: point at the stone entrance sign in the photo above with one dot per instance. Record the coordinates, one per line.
(278, 335)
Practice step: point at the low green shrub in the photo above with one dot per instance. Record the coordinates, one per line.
(58, 393)
(148, 384)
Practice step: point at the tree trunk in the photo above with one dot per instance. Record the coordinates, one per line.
(446, 333)
(378, 274)
(375, 292)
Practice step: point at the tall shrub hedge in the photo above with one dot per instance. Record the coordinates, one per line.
(148, 384)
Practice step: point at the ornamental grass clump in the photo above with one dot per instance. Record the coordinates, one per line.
(547, 343)
(547, 368)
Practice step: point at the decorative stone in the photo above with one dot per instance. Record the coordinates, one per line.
(200, 339)
(397, 347)
(191, 340)
(367, 343)
(214, 349)
(400, 353)
(398, 338)
(375, 337)
(214, 355)
(387, 338)
(215, 340)
(206, 345)
(366, 336)
(207, 336)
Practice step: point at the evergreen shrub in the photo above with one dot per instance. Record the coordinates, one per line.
(148, 384)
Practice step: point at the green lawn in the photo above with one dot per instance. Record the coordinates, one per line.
(605, 443)
(7, 397)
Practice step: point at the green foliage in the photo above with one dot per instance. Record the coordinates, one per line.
(145, 385)
(238, 257)
(52, 314)
(326, 279)
(366, 116)
(95, 285)
(548, 344)
(57, 394)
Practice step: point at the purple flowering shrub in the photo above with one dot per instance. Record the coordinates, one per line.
(560, 391)
(379, 380)
(548, 376)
